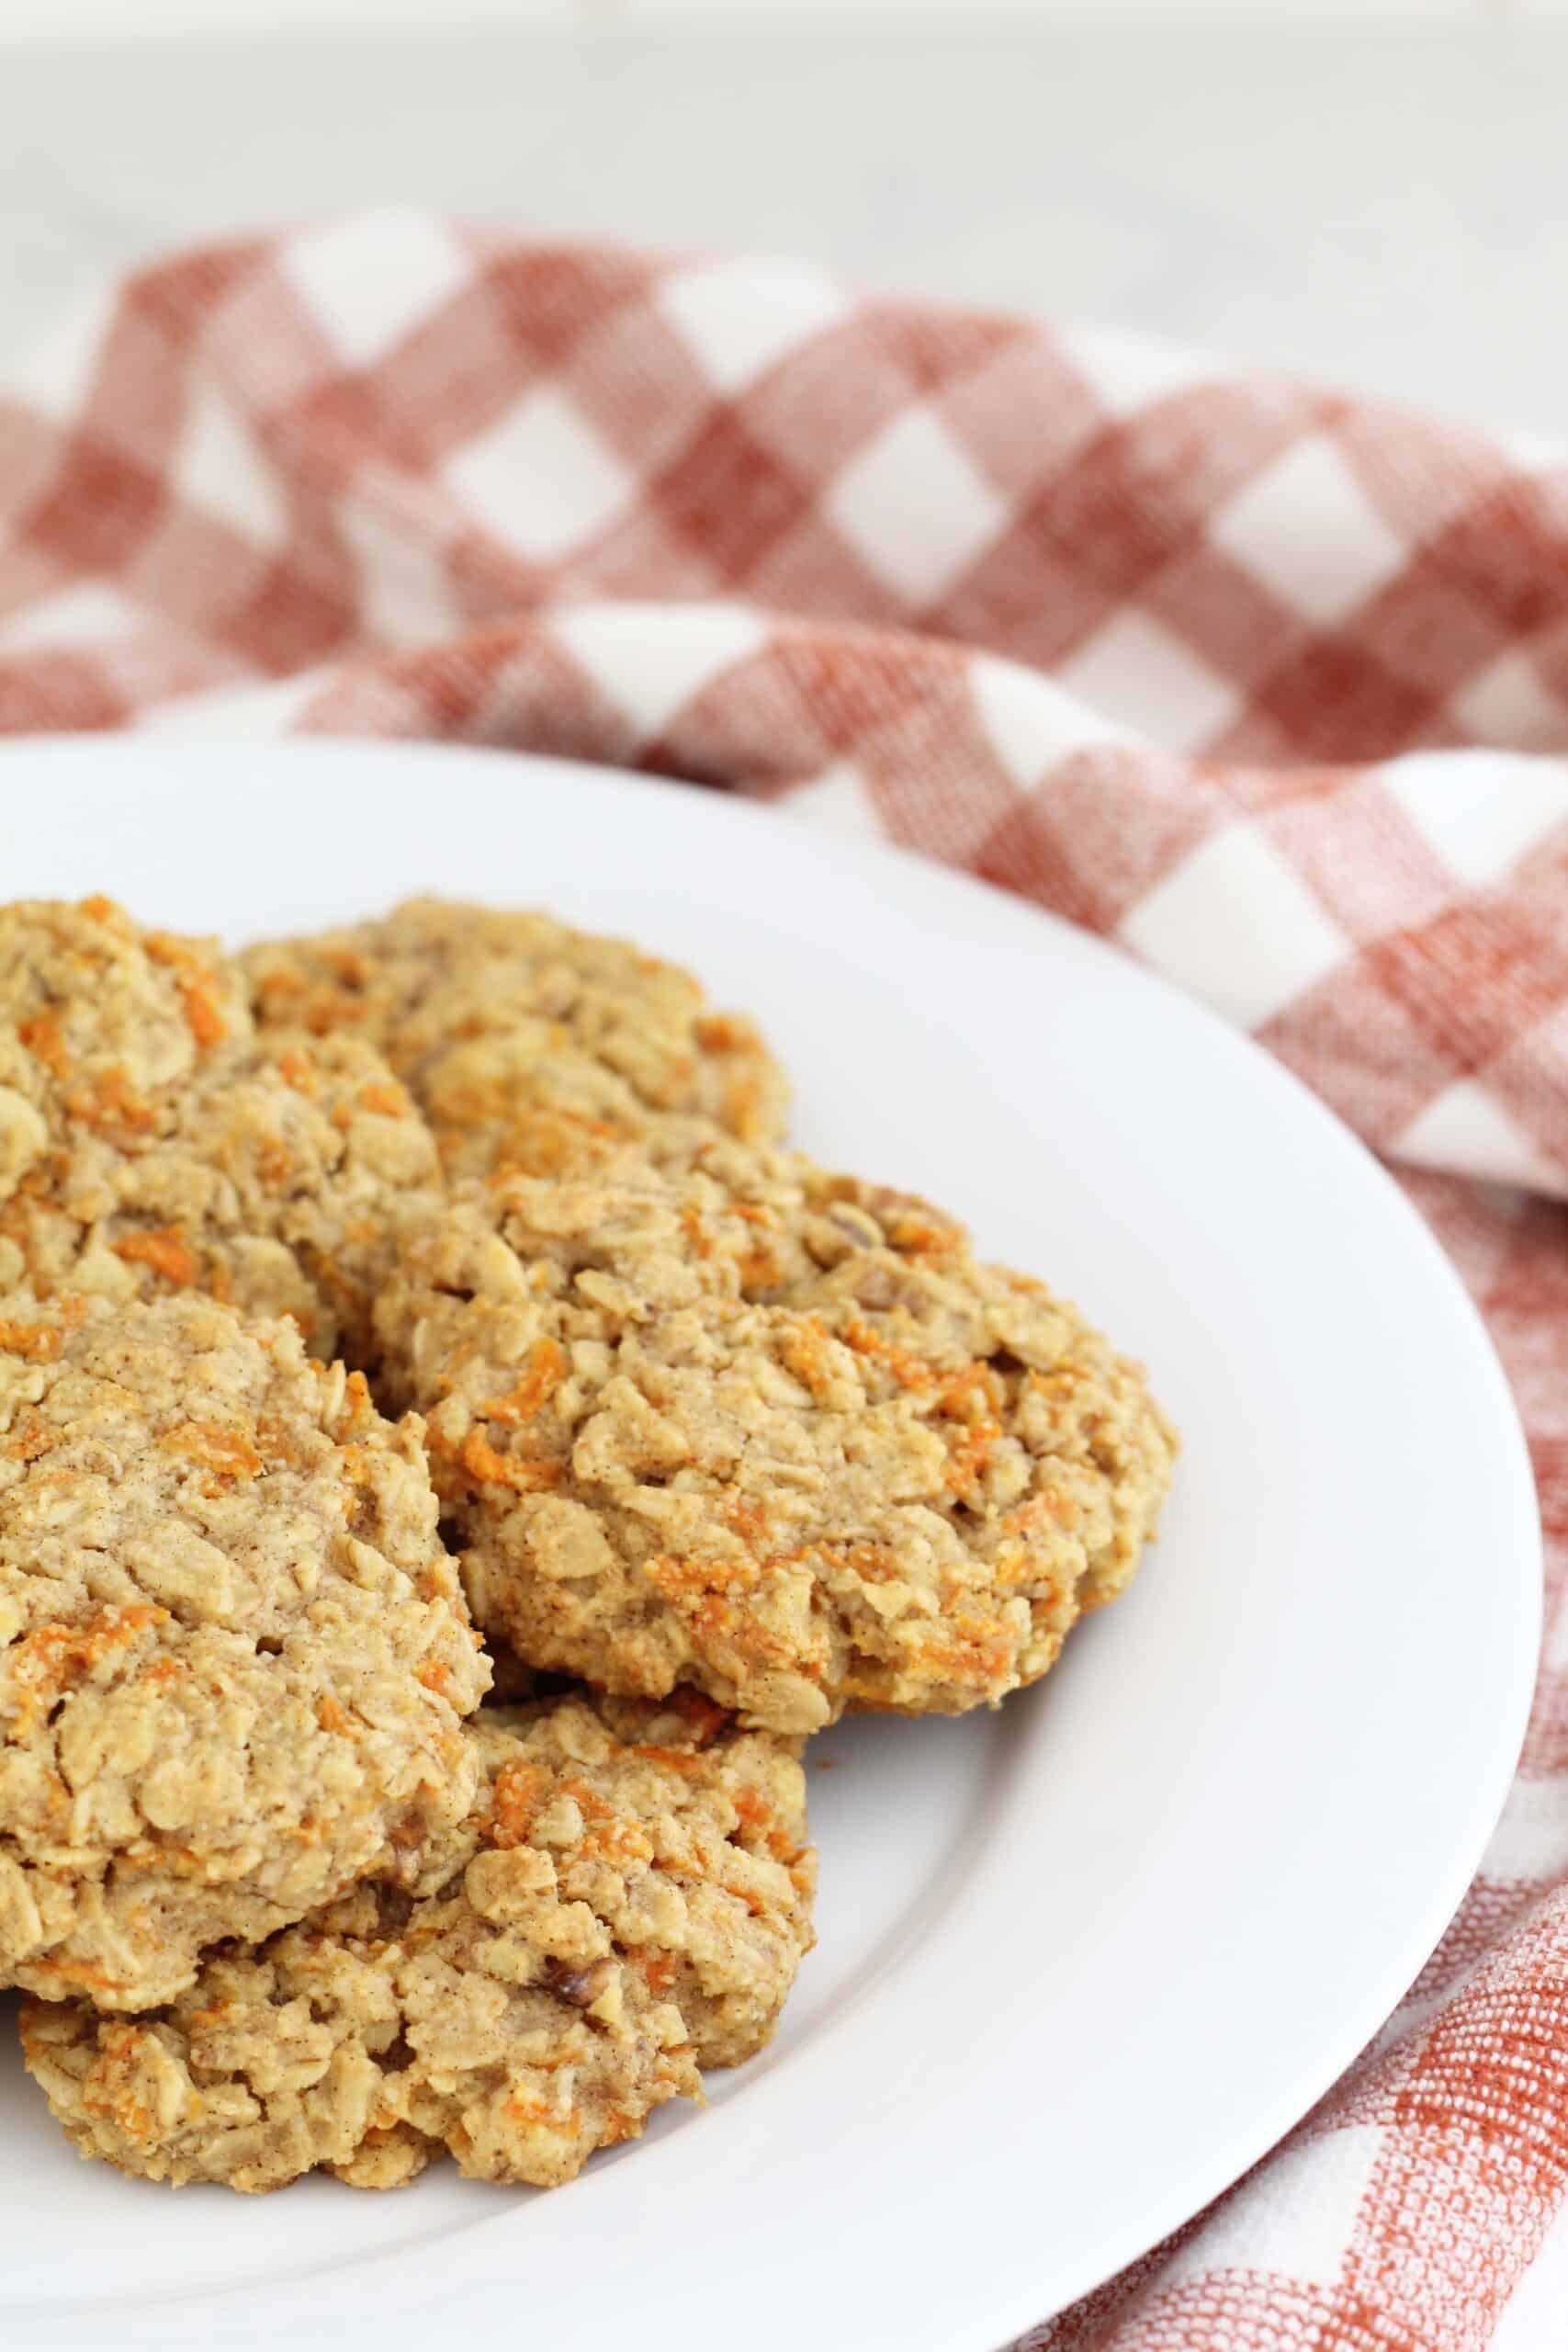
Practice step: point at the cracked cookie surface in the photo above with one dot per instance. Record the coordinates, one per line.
(768, 1430)
(234, 1658)
(527, 1043)
(627, 1900)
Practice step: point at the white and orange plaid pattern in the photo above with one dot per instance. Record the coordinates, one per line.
(1255, 679)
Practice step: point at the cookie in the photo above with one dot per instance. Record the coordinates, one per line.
(619, 1912)
(234, 1658)
(528, 1045)
(768, 1431)
(149, 1142)
(96, 1015)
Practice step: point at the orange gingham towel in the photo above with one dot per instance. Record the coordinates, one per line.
(1193, 657)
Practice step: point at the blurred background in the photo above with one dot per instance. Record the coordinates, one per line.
(1367, 190)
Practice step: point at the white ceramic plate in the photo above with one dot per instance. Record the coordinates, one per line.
(1082, 1960)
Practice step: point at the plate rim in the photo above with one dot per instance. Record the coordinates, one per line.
(1018, 2307)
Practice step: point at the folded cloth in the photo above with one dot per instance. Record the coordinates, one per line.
(1250, 677)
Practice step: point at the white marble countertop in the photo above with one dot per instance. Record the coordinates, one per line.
(1383, 211)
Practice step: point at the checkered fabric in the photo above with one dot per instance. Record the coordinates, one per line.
(1268, 685)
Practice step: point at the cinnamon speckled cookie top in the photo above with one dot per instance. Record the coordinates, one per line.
(620, 1909)
(527, 1043)
(768, 1430)
(234, 1656)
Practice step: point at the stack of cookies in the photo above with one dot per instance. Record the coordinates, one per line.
(452, 1457)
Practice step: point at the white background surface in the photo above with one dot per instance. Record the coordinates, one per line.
(1385, 210)
(1380, 209)
(154, 19)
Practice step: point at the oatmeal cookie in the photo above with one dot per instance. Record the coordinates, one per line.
(148, 1142)
(528, 1045)
(95, 1014)
(768, 1431)
(234, 1658)
(620, 1910)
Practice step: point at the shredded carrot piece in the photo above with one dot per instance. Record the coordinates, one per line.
(617, 1841)
(967, 1652)
(970, 1460)
(199, 2019)
(721, 1033)
(79, 1972)
(588, 1801)
(743, 1107)
(918, 1235)
(678, 1578)
(753, 1808)
(657, 1969)
(907, 1370)
(42, 1037)
(802, 1350)
(56, 1658)
(747, 1519)
(391, 1100)
(969, 1391)
(29, 1442)
(480, 1460)
(39, 1343)
(207, 1023)
(298, 1070)
(358, 1412)
(706, 1717)
(111, 1102)
(225, 1451)
(348, 966)
(696, 1231)
(165, 1249)
(542, 1375)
